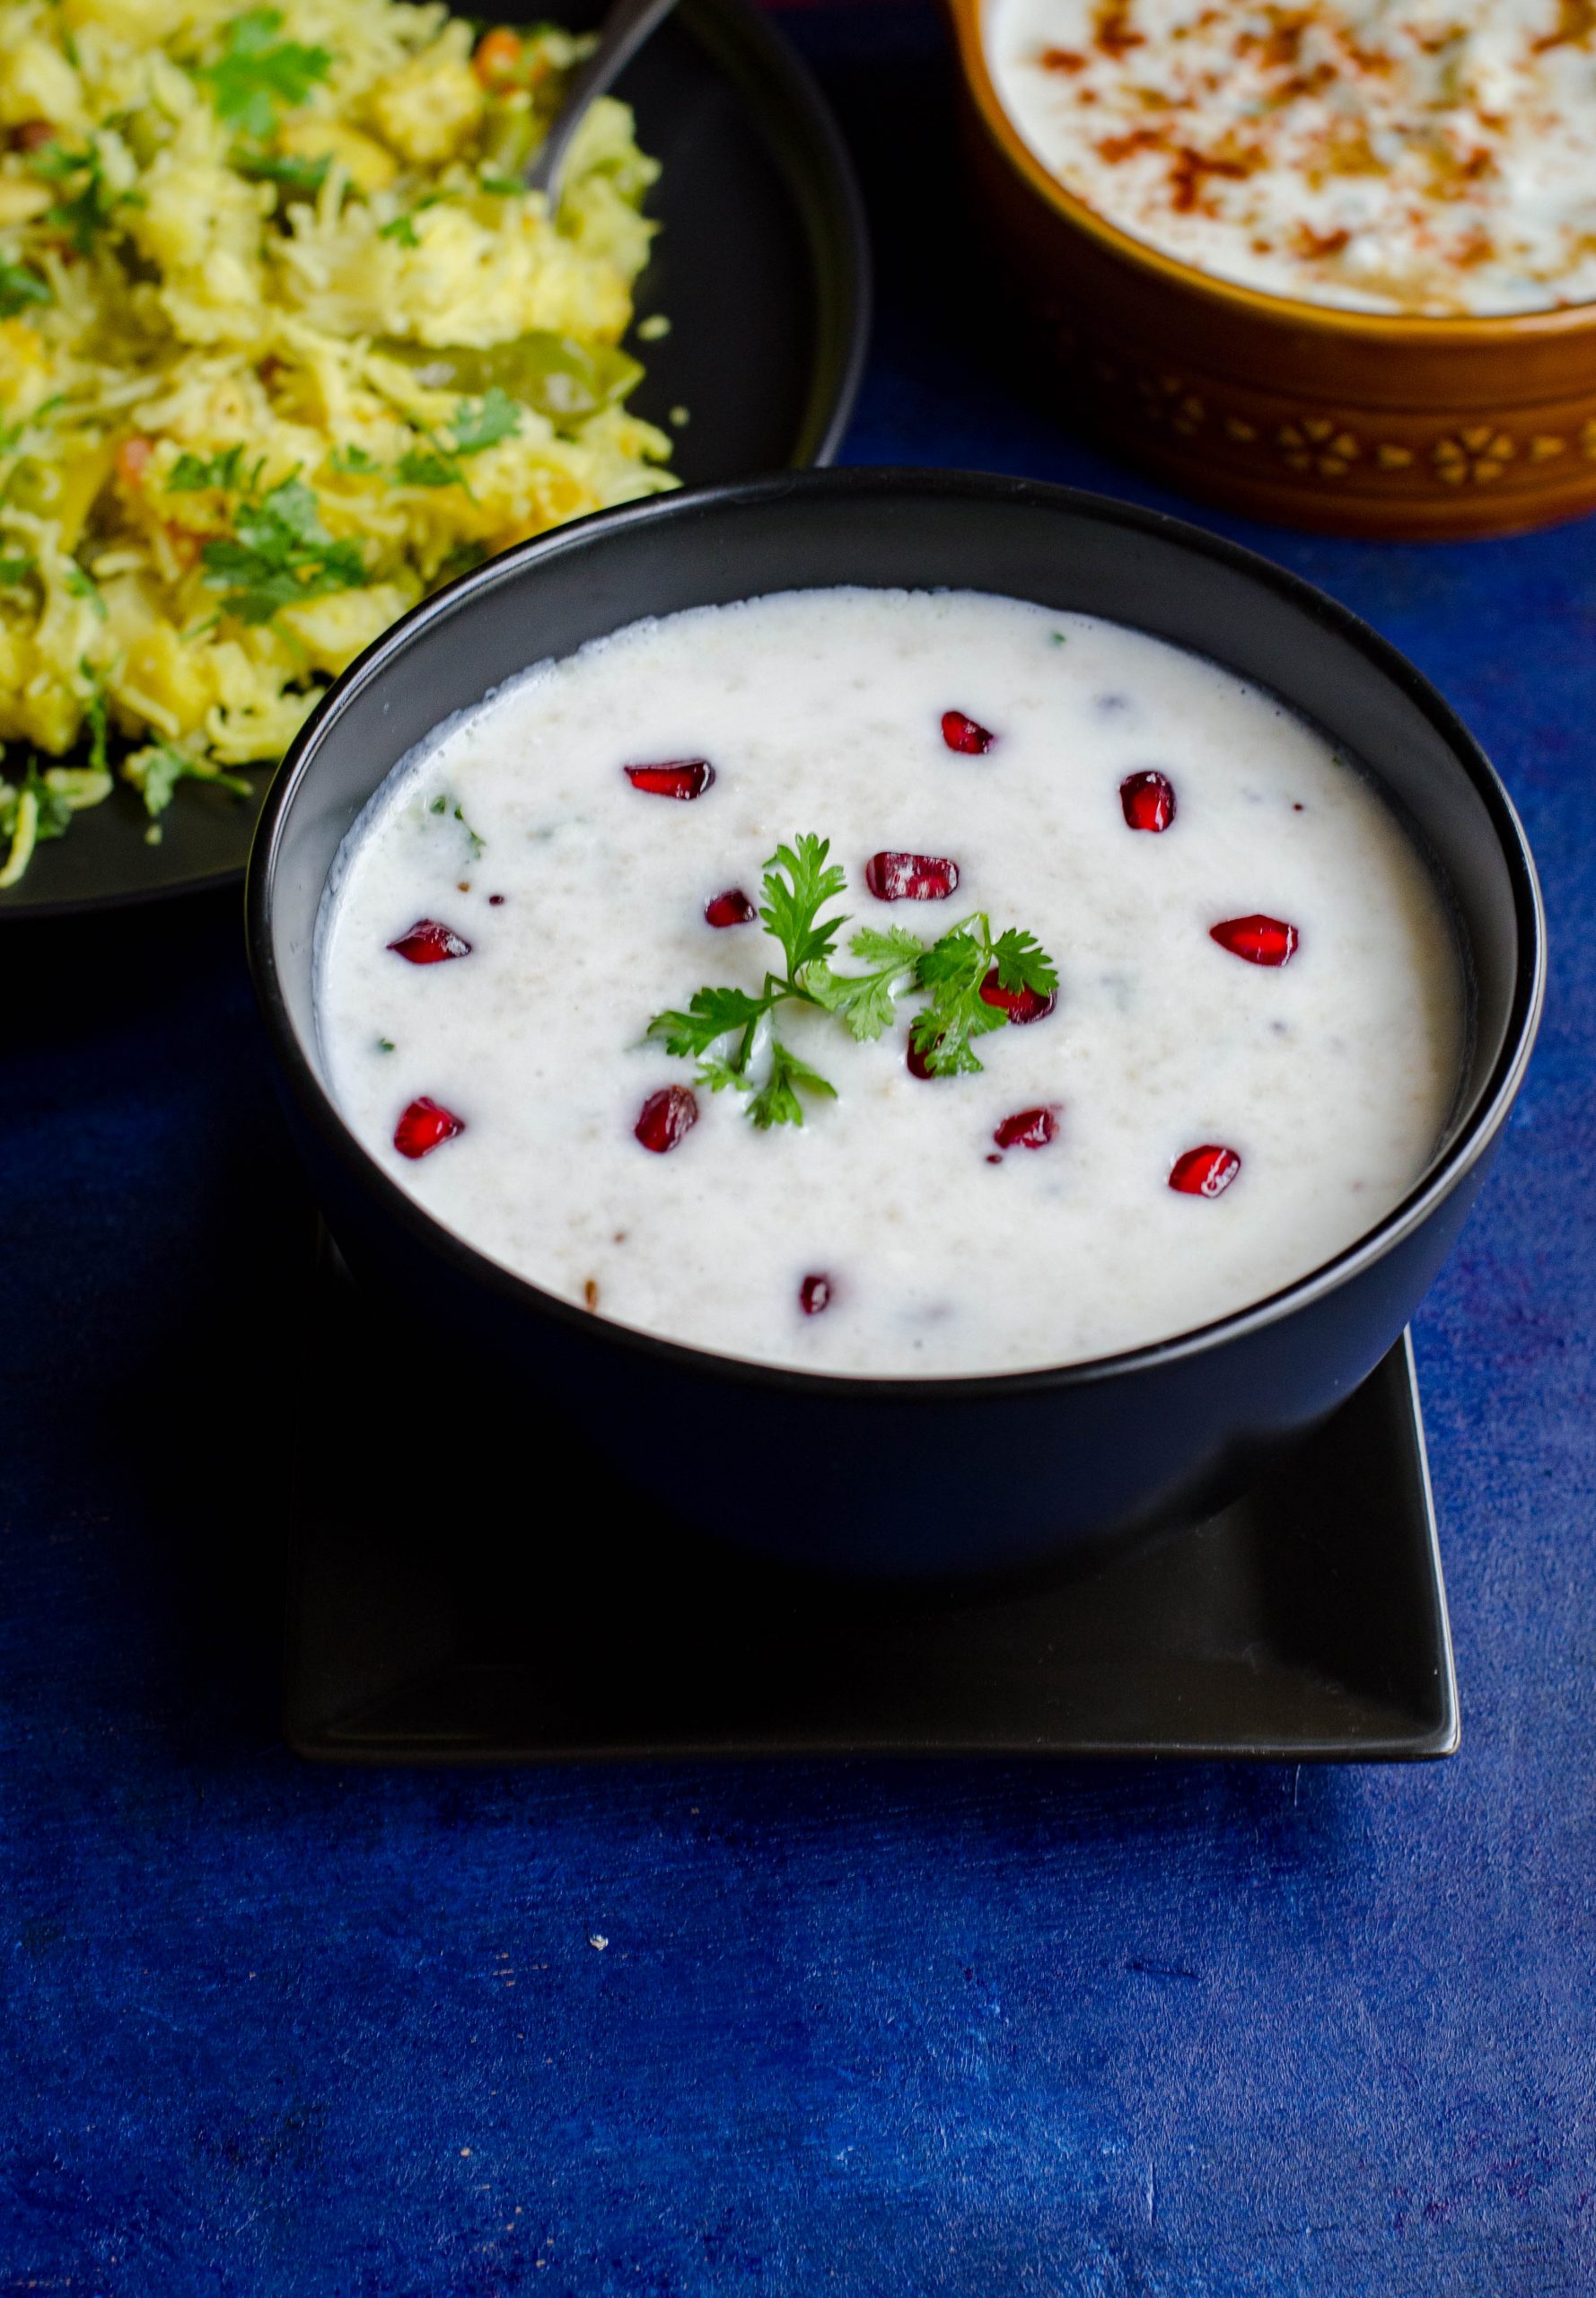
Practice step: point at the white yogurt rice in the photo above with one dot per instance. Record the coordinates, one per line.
(1434, 156)
(933, 1249)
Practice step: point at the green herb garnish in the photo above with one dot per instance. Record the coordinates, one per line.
(290, 175)
(15, 567)
(492, 418)
(444, 804)
(731, 1033)
(156, 771)
(191, 472)
(459, 561)
(477, 424)
(257, 74)
(82, 586)
(353, 461)
(280, 555)
(954, 971)
(87, 202)
(416, 468)
(99, 718)
(19, 288)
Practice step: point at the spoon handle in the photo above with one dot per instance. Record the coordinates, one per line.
(622, 34)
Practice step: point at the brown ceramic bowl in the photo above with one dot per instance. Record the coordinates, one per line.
(1346, 421)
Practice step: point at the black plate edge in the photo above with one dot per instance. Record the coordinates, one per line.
(1420, 1742)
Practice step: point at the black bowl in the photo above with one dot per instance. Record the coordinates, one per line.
(903, 1476)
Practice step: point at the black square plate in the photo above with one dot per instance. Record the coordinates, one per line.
(465, 1584)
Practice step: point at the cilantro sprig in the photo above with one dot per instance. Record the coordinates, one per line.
(477, 424)
(256, 75)
(731, 1033)
(954, 971)
(279, 554)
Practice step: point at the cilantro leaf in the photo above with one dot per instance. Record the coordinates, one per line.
(191, 472)
(441, 804)
(866, 1001)
(721, 1028)
(257, 74)
(82, 586)
(99, 718)
(1023, 963)
(477, 843)
(290, 174)
(54, 809)
(790, 911)
(157, 771)
(953, 970)
(15, 567)
(494, 416)
(475, 426)
(711, 1014)
(280, 555)
(775, 1101)
(459, 561)
(83, 212)
(19, 288)
(416, 468)
(402, 230)
(353, 460)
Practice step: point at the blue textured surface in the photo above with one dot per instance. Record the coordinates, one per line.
(287, 2034)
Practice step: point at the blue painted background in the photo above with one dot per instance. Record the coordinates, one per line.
(856, 2029)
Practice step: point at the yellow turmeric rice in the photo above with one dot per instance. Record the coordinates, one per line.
(283, 345)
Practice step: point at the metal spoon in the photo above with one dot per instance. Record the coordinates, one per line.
(622, 32)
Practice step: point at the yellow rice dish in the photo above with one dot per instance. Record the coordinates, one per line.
(283, 345)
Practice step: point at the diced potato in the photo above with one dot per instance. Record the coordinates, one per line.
(39, 84)
(20, 200)
(427, 109)
(333, 630)
(164, 680)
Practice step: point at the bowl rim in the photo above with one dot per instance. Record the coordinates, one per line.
(1476, 1132)
(1390, 330)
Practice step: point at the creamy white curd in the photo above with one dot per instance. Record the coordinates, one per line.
(932, 1249)
(1434, 156)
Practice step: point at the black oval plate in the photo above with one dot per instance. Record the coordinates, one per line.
(763, 268)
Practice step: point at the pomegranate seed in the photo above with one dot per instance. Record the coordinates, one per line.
(428, 943)
(424, 1127)
(732, 907)
(966, 735)
(1021, 1005)
(917, 1062)
(673, 778)
(1027, 1129)
(1148, 800)
(910, 877)
(1208, 1171)
(1261, 941)
(814, 1295)
(666, 1115)
(495, 901)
